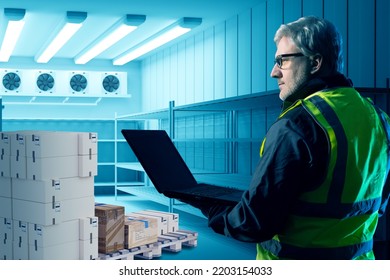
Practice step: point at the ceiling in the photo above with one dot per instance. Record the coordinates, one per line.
(43, 16)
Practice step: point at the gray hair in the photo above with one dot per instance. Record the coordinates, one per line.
(315, 36)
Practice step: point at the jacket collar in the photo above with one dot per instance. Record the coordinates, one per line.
(317, 84)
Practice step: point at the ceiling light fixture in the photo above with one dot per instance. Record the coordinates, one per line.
(115, 33)
(64, 32)
(14, 28)
(162, 37)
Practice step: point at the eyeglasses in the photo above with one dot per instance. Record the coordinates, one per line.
(281, 58)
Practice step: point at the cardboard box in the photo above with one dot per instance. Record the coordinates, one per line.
(5, 166)
(87, 144)
(53, 189)
(5, 187)
(87, 165)
(89, 228)
(5, 144)
(6, 250)
(140, 231)
(162, 221)
(89, 249)
(63, 251)
(89, 238)
(51, 144)
(6, 229)
(111, 227)
(6, 207)
(52, 213)
(46, 236)
(172, 218)
(6, 238)
(18, 167)
(61, 167)
(20, 240)
(42, 144)
(18, 143)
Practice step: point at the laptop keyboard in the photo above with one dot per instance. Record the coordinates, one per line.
(210, 190)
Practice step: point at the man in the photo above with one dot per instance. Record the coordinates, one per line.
(318, 189)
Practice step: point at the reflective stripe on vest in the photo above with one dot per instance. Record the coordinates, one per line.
(334, 208)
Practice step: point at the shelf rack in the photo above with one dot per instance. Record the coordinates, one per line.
(229, 106)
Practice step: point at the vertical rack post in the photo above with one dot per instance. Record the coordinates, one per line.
(116, 156)
(171, 132)
(1, 114)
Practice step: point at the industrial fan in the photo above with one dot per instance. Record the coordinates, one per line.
(111, 83)
(78, 82)
(45, 82)
(11, 81)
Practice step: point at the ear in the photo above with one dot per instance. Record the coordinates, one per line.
(316, 64)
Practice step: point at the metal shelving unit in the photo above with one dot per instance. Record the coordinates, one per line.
(229, 107)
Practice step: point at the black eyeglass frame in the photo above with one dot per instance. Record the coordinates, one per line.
(279, 59)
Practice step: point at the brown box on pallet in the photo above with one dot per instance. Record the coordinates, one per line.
(140, 231)
(111, 232)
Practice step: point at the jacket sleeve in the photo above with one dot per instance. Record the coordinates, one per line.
(385, 197)
(288, 165)
(386, 188)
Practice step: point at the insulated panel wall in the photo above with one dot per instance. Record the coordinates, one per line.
(361, 43)
(236, 56)
(232, 55)
(219, 61)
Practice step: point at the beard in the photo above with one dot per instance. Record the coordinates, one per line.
(292, 89)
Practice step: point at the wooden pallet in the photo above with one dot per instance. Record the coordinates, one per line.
(172, 242)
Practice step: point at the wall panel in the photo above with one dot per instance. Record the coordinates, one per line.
(274, 20)
(235, 57)
(181, 75)
(199, 68)
(361, 40)
(153, 83)
(146, 81)
(292, 10)
(173, 74)
(190, 70)
(259, 48)
(231, 57)
(313, 8)
(208, 65)
(159, 94)
(244, 53)
(335, 11)
(166, 75)
(220, 61)
(382, 58)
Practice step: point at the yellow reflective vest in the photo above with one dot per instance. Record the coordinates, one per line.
(337, 220)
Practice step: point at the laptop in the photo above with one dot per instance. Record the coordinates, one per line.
(168, 171)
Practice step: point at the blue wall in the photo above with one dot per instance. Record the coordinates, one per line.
(232, 58)
(235, 57)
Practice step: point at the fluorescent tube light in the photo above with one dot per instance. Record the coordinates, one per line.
(162, 37)
(74, 21)
(114, 34)
(14, 28)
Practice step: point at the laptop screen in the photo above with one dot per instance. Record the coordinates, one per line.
(160, 159)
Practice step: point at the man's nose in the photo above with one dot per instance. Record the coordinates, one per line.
(275, 72)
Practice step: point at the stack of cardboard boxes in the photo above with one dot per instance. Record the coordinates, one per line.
(47, 195)
(119, 230)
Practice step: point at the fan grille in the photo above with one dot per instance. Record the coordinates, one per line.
(45, 82)
(111, 83)
(11, 81)
(78, 82)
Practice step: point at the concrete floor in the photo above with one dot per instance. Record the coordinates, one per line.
(210, 246)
